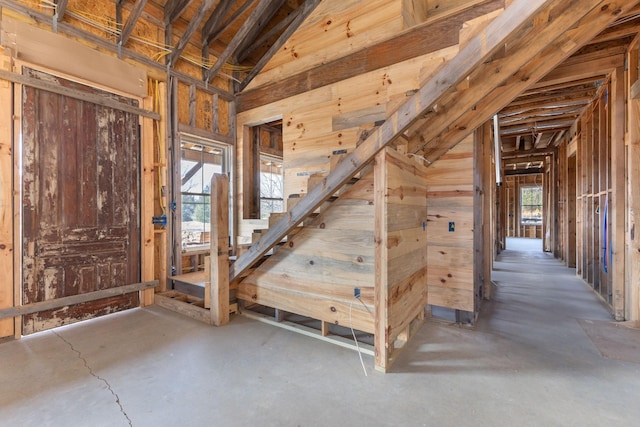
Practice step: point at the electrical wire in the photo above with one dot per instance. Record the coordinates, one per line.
(355, 339)
(114, 29)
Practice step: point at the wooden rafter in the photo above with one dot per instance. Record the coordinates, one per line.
(264, 38)
(203, 10)
(237, 39)
(131, 21)
(212, 30)
(538, 126)
(589, 18)
(512, 23)
(301, 14)
(61, 8)
(173, 9)
(258, 27)
(214, 20)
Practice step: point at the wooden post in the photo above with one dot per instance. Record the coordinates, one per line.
(219, 260)
(616, 210)
(6, 199)
(479, 280)
(146, 196)
(487, 203)
(632, 291)
(383, 347)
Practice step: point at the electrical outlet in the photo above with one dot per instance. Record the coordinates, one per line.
(356, 292)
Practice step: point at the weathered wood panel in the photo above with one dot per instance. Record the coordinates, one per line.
(450, 253)
(80, 226)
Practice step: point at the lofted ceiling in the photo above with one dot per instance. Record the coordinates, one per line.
(237, 35)
(533, 124)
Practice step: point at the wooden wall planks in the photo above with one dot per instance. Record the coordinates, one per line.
(405, 244)
(451, 253)
(315, 272)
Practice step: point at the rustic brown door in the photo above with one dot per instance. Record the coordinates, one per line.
(80, 202)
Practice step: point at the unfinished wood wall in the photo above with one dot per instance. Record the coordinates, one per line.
(594, 196)
(401, 246)
(334, 117)
(450, 254)
(314, 274)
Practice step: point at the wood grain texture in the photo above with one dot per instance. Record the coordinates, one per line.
(450, 255)
(471, 58)
(80, 198)
(6, 198)
(219, 259)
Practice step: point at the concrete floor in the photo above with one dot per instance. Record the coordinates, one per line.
(528, 362)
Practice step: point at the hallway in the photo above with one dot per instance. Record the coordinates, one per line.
(528, 362)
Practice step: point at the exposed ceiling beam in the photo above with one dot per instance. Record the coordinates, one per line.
(173, 9)
(204, 8)
(534, 128)
(529, 153)
(593, 18)
(418, 40)
(212, 33)
(258, 27)
(215, 19)
(264, 38)
(588, 83)
(238, 38)
(131, 21)
(576, 71)
(554, 111)
(531, 171)
(301, 14)
(61, 8)
(628, 28)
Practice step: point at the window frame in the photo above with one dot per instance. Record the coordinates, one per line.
(225, 166)
(540, 206)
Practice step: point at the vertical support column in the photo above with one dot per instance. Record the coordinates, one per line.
(6, 200)
(479, 255)
(219, 260)
(146, 196)
(487, 203)
(383, 347)
(164, 239)
(632, 309)
(616, 209)
(632, 291)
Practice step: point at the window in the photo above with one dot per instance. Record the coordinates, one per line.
(198, 163)
(271, 186)
(531, 205)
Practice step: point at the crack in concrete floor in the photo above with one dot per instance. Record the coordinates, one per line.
(93, 374)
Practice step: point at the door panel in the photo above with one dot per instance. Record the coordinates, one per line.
(80, 203)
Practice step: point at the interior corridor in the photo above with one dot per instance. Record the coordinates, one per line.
(544, 352)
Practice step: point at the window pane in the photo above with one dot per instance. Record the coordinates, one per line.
(198, 163)
(271, 186)
(531, 205)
